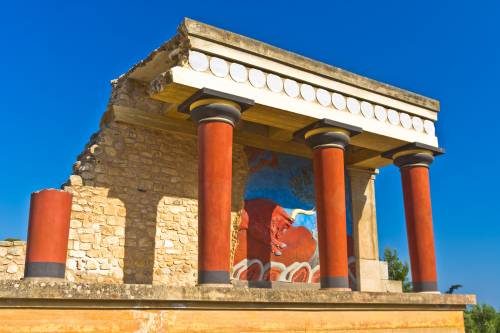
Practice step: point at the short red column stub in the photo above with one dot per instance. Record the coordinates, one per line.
(48, 231)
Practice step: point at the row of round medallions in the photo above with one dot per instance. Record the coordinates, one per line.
(257, 78)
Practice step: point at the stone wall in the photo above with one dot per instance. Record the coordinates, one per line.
(12, 256)
(134, 215)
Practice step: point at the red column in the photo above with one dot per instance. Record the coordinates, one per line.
(418, 211)
(328, 139)
(48, 232)
(215, 144)
(329, 183)
(216, 114)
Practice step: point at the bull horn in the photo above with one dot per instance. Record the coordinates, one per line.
(298, 211)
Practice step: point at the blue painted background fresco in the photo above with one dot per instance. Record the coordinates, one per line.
(288, 180)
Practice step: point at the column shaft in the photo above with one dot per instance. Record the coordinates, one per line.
(214, 201)
(329, 182)
(418, 211)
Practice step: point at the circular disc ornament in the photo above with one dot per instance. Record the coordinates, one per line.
(307, 92)
(418, 124)
(380, 113)
(353, 105)
(257, 78)
(219, 67)
(323, 97)
(274, 83)
(291, 88)
(405, 120)
(238, 72)
(429, 127)
(367, 109)
(393, 116)
(338, 101)
(198, 61)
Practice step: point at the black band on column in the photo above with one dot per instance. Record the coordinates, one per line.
(421, 159)
(425, 286)
(318, 134)
(413, 154)
(213, 277)
(334, 282)
(212, 110)
(216, 112)
(328, 139)
(45, 269)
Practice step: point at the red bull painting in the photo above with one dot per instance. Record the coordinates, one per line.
(277, 236)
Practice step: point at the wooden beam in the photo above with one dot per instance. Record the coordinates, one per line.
(280, 134)
(247, 134)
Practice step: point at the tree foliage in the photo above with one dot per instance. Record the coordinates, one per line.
(397, 269)
(482, 319)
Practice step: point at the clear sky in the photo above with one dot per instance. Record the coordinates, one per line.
(57, 58)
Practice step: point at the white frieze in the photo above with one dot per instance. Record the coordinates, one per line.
(294, 89)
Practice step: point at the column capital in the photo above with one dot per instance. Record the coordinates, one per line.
(327, 133)
(208, 105)
(413, 154)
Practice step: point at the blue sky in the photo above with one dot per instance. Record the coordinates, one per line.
(57, 58)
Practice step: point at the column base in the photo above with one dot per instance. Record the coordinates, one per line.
(425, 286)
(335, 282)
(213, 278)
(45, 270)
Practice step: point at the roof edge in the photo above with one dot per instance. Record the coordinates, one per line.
(202, 30)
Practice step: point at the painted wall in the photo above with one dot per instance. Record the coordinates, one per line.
(277, 236)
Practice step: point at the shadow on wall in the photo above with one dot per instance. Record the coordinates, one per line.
(154, 174)
(139, 170)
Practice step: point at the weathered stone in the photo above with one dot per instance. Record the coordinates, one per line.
(86, 238)
(75, 180)
(12, 268)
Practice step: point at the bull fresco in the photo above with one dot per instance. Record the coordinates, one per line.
(277, 235)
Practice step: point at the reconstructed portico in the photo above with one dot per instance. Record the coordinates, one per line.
(306, 108)
(236, 178)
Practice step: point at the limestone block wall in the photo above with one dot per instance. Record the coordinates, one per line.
(134, 214)
(12, 256)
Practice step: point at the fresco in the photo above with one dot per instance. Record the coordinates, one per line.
(277, 236)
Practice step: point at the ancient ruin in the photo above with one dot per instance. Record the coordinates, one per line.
(230, 187)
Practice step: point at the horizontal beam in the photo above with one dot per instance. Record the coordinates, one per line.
(247, 134)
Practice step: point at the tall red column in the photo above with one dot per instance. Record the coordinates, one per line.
(216, 114)
(328, 142)
(48, 232)
(329, 183)
(215, 140)
(418, 211)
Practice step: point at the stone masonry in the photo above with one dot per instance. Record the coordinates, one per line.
(12, 260)
(134, 214)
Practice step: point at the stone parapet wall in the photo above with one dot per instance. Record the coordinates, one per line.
(12, 256)
(50, 306)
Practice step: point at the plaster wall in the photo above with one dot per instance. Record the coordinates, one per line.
(229, 320)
